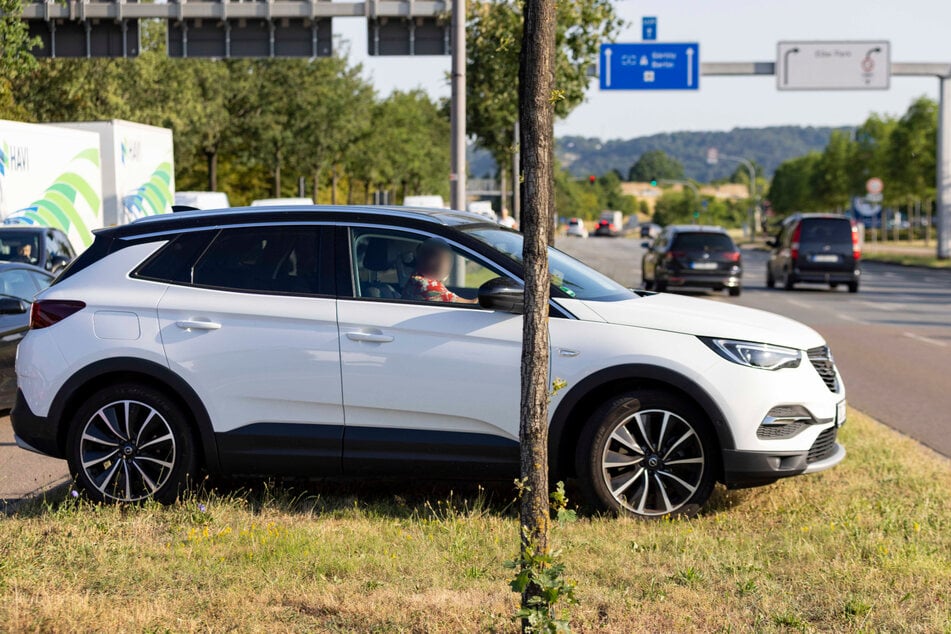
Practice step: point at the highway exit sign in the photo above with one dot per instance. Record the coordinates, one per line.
(856, 65)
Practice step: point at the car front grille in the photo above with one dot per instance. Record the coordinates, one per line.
(823, 447)
(784, 430)
(821, 359)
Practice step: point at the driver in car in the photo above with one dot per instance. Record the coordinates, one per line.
(433, 265)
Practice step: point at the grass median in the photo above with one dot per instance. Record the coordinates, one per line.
(864, 547)
(905, 259)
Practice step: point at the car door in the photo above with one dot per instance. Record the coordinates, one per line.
(21, 284)
(252, 328)
(430, 388)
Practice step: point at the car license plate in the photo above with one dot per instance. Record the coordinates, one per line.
(703, 266)
(824, 257)
(841, 411)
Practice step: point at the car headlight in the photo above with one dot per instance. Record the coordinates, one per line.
(755, 355)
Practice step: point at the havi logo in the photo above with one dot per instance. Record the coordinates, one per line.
(14, 158)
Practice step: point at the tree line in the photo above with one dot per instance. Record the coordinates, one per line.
(901, 151)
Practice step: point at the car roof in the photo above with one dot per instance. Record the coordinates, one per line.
(812, 216)
(697, 229)
(27, 228)
(262, 213)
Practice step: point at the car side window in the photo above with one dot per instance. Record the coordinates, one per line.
(263, 260)
(41, 281)
(174, 262)
(403, 266)
(18, 283)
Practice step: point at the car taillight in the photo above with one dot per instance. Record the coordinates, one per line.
(794, 243)
(732, 256)
(856, 248)
(673, 255)
(46, 312)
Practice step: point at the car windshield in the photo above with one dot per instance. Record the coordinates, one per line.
(568, 274)
(701, 241)
(19, 246)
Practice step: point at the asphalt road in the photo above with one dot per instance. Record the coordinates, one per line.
(24, 474)
(891, 340)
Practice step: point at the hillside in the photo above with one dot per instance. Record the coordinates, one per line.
(767, 146)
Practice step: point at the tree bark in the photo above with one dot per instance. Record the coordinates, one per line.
(536, 116)
(277, 174)
(212, 157)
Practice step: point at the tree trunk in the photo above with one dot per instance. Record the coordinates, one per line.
(212, 157)
(536, 79)
(333, 187)
(316, 186)
(277, 174)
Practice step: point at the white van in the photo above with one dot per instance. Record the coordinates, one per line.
(431, 202)
(202, 200)
(267, 202)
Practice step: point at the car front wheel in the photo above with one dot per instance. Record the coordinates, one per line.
(649, 454)
(129, 443)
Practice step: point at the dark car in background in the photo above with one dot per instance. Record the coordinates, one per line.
(692, 256)
(815, 248)
(45, 247)
(18, 284)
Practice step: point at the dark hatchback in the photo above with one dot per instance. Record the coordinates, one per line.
(815, 248)
(18, 284)
(694, 256)
(45, 247)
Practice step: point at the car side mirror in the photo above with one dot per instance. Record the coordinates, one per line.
(13, 306)
(772, 242)
(502, 293)
(645, 245)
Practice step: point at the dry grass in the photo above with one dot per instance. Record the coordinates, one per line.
(865, 547)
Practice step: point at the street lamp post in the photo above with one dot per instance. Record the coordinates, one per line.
(752, 170)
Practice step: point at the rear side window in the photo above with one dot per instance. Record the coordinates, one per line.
(703, 242)
(173, 263)
(826, 231)
(264, 260)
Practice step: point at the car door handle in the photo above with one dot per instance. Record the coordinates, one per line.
(192, 324)
(370, 337)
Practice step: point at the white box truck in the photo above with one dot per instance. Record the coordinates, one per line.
(51, 177)
(138, 168)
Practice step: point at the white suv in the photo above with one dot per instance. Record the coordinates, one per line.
(329, 341)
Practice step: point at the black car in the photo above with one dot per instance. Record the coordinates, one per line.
(45, 247)
(691, 255)
(817, 248)
(18, 284)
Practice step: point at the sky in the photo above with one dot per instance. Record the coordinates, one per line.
(727, 31)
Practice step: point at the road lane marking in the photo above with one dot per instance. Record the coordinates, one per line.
(851, 318)
(796, 302)
(928, 340)
(883, 306)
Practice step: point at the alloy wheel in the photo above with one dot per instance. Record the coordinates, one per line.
(127, 450)
(653, 462)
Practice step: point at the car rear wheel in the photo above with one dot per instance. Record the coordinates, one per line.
(853, 287)
(734, 291)
(660, 286)
(649, 454)
(788, 282)
(129, 443)
(770, 280)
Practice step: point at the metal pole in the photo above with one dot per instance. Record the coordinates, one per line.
(944, 169)
(517, 178)
(457, 177)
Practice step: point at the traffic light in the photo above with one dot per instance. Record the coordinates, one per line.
(653, 182)
(592, 179)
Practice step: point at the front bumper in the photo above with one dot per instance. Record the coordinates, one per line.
(754, 468)
(32, 432)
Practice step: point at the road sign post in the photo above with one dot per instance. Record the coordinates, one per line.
(650, 66)
(833, 65)
(649, 29)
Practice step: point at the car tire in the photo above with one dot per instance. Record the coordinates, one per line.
(770, 280)
(649, 454)
(834, 285)
(734, 291)
(130, 442)
(647, 284)
(788, 282)
(853, 287)
(659, 286)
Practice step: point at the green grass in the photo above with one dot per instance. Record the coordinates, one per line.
(929, 261)
(864, 547)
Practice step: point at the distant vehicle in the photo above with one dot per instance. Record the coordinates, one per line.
(483, 208)
(576, 228)
(695, 256)
(817, 248)
(609, 224)
(44, 247)
(434, 202)
(649, 230)
(267, 202)
(18, 284)
(234, 341)
(202, 200)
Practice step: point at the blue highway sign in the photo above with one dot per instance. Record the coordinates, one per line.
(650, 66)
(649, 29)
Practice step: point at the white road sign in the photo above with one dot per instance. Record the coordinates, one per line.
(833, 65)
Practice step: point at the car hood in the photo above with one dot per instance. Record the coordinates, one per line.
(707, 318)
